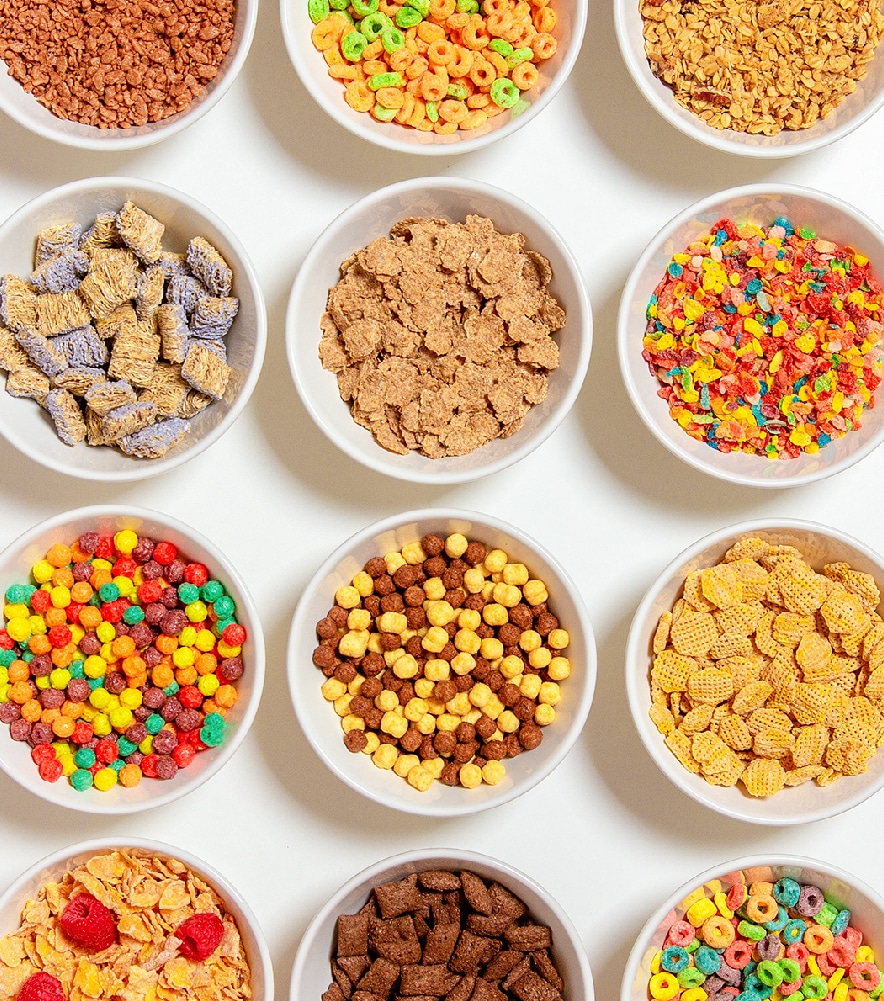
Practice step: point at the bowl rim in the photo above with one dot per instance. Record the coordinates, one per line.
(626, 331)
(414, 859)
(643, 938)
(374, 456)
(245, 270)
(357, 123)
(139, 136)
(637, 690)
(219, 883)
(301, 625)
(695, 128)
(96, 512)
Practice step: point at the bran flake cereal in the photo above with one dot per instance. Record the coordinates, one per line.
(111, 321)
(149, 899)
(115, 66)
(442, 660)
(447, 934)
(768, 674)
(766, 340)
(441, 336)
(760, 67)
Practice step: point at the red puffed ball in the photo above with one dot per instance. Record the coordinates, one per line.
(59, 636)
(106, 751)
(183, 754)
(73, 611)
(125, 566)
(196, 573)
(164, 553)
(112, 611)
(83, 732)
(6, 641)
(50, 769)
(149, 766)
(190, 696)
(149, 592)
(40, 600)
(105, 550)
(234, 634)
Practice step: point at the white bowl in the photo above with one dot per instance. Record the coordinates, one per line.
(865, 905)
(16, 561)
(322, 726)
(855, 109)
(27, 111)
(801, 804)
(53, 867)
(372, 217)
(311, 973)
(329, 93)
(832, 219)
(24, 424)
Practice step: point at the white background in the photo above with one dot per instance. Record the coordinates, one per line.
(606, 834)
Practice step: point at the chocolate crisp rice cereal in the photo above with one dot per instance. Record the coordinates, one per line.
(441, 335)
(443, 934)
(761, 67)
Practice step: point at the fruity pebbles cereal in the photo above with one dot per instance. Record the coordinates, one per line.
(768, 674)
(760, 934)
(125, 926)
(438, 66)
(118, 660)
(443, 660)
(766, 340)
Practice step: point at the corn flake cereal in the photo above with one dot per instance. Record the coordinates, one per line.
(775, 687)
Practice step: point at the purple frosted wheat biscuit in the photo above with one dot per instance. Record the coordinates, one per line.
(141, 232)
(56, 240)
(154, 441)
(127, 420)
(192, 404)
(216, 345)
(167, 390)
(59, 312)
(105, 396)
(82, 347)
(102, 233)
(61, 273)
(12, 355)
(205, 371)
(207, 264)
(18, 303)
(28, 382)
(112, 280)
(186, 291)
(42, 352)
(213, 316)
(79, 380)
(174, 333)
(151, 287)
(172, 264)
(65, 412)
(134, 355)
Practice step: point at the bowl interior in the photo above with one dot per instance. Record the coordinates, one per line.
(867, 910)
(798, 804)
(27, 111)
(850, 113)
(15, 564)
(322, 726)
(311, 974)
(329, 93)
(373, 217)
(54, 866)
(28, 427)
(832, 219)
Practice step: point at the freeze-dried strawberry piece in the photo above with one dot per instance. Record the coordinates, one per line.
(89, 923)
(41, 987)
(200, 936)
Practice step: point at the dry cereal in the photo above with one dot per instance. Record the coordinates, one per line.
(769, 673)
(127, 344)
(760, 67)
(126, 925)
(441, 335)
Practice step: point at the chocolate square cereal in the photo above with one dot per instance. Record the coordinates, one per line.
(353, 934)
(395, 939)
(397, 898)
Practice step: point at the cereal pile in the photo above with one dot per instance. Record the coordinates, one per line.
(763, 938)
(443, 934)
(120, 341)
(125, 926)
(115, 65)
(769, 674)
(760, 67)
(435, 65)
(119, 661)
(441, 335)
(442, 660)
(766, 340)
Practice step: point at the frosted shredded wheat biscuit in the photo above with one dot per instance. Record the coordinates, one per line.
(441, 335)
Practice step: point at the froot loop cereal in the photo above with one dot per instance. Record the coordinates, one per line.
(125, 926)
(760, 67)
(118, 661)
(447, 934)
(442, 660)
(768, 674)
(118, 339)
(756, 939)
(435, 65)
(441, 336)
(766, 340)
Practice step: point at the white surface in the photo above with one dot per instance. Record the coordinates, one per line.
(605, 833)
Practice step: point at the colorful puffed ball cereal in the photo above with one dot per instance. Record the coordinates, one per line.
(119, 660)
(763, 941)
